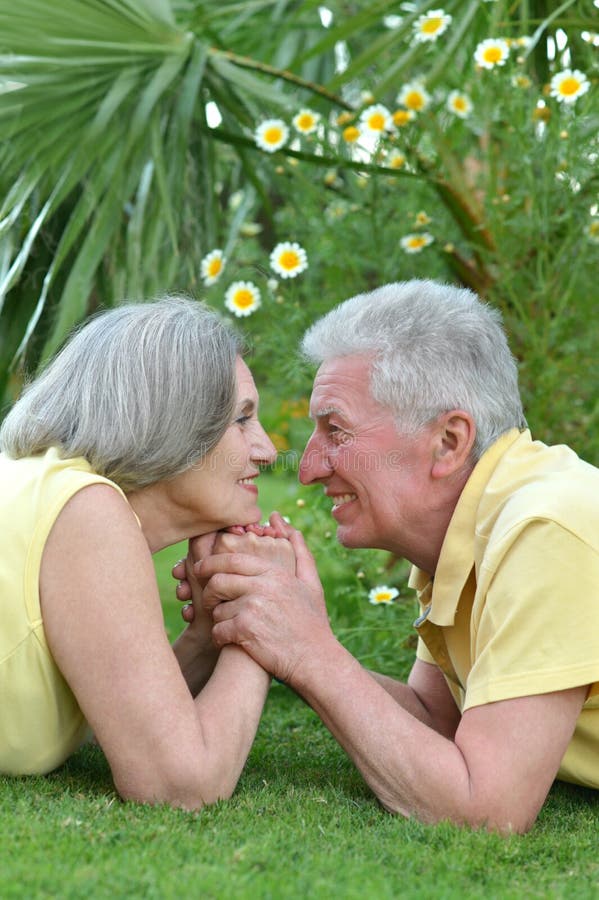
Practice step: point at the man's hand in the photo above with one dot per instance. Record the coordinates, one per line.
(268, 542)
(277, 615)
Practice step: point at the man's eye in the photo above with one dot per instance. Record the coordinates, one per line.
(242, 420)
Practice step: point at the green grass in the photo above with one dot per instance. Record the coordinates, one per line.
(302, 823)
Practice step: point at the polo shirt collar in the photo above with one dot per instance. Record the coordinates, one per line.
(456, 559)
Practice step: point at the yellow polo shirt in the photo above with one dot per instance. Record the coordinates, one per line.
(40, 721)
(513, 609)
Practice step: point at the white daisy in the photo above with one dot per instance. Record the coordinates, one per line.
(212, 266)
(414, 243)
(459, 104)
(242, 298)
(382, 595)
(492, 52)
(396, 160)
(421, 219)
(432, 24)
(376, 119)
(593, 231)
(569, 85)
(271, 135)
(306, 121)
(288, 259)
(413, 96)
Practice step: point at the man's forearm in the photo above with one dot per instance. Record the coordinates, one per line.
(425, 696)
(391, 743)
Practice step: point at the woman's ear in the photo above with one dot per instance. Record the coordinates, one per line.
(454, 437)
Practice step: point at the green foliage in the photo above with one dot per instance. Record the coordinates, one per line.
(115, 182)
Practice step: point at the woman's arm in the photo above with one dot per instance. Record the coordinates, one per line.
(103, 622)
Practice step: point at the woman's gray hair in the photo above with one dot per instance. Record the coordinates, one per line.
(142, 392)
(435, 347)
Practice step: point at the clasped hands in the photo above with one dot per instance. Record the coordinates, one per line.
(256, 587)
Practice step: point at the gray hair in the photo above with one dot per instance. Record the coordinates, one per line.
(142, 392)
(435, 347)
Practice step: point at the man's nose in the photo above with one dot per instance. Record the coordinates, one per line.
(315, 463)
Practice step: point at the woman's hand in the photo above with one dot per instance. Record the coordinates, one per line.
(189, 589)
(267, 542)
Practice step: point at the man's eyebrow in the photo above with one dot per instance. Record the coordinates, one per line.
(327, 411)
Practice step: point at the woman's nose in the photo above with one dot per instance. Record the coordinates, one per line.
(263, 449)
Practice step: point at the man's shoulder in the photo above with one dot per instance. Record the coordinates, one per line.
(535, 481)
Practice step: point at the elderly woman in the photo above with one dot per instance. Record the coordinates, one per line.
(141, 433)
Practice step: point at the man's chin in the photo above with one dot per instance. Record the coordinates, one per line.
(349, 539)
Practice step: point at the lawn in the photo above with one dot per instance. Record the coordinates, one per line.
(302, 823)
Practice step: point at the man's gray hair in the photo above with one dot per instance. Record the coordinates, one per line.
(142, 392)
(435, 347)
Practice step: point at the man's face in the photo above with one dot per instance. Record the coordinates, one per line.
(379, 480)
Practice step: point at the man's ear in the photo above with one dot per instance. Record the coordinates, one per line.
(453, 439)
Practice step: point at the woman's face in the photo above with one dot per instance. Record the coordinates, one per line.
(220, 489)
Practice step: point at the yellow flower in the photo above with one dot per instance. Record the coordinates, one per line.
(351, 134)
(569, 85)
(459, 104)
(344, 117)
(414, 243)
(413, 96)
(492, 52)
(382, 595)
(306, 121)
(521, 81)
(271, 135)
(242, 298)
(402, 117)
(432, 24)
(396, 160)
(288, 259)
(421, 219)
(376, 119)
(212, 266)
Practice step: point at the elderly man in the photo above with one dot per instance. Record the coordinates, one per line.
(421, 444)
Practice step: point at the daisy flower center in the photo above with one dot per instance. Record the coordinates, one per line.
(377, 121)
(214, 267)
(289, 260)
(243, 298)
(351, 134)
(569, 86)
(493, 54)
(431, 26)
(414, 100)
(273, 135)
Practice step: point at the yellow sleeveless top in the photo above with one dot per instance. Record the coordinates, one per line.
(40, 721)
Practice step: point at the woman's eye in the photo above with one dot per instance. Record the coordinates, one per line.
(242, 420)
